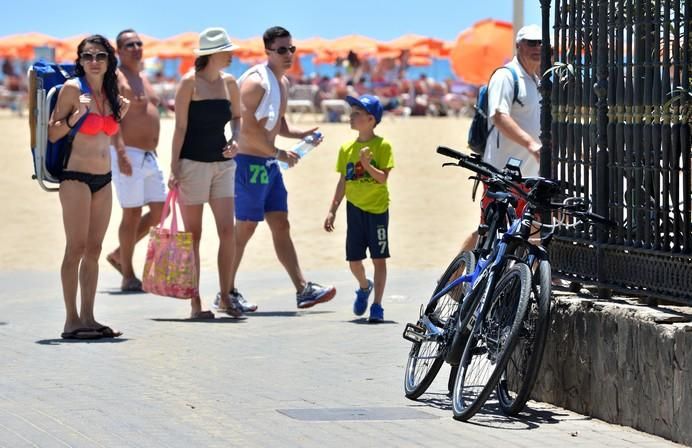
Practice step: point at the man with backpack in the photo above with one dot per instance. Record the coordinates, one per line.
(513, 111)
(137, 177)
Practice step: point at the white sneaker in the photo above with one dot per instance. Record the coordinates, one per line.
(246, 306)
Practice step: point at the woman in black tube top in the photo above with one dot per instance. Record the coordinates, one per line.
(202, 165)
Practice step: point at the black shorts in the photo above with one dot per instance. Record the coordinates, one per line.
(366, 230)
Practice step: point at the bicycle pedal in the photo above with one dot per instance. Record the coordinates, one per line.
(414, 333)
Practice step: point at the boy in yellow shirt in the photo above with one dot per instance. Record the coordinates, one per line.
(364, 165)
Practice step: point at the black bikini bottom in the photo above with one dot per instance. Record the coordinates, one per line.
(94, 181)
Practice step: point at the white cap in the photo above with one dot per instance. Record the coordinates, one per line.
(530, 32)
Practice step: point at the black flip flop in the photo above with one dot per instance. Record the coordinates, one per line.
(202, 315)
(82, 334)
(132, 285)
(108, 332)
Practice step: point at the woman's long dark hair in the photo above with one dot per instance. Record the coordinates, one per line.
(201, 62)
(110, 80)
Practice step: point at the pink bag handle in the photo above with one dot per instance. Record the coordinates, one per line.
(171, 200)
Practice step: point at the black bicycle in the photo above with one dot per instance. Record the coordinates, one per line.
(507, 334)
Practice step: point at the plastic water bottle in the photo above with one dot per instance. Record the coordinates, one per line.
(303, 147)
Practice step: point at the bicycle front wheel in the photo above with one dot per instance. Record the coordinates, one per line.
(426, 357)
(491, 342)
(518, 378)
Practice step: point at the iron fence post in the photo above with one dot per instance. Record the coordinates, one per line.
(601, 174)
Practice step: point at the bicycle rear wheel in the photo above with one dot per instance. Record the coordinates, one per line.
(519, 376)
(426, 357)
(491, 342)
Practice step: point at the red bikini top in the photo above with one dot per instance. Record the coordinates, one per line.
(95, 123)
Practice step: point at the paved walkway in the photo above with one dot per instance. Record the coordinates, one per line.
(282, 378)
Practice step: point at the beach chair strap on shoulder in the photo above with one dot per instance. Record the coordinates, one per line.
(84, 88)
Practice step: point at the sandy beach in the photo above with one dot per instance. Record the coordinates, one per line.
(430, 211)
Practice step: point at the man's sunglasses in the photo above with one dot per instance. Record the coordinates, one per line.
(135, 44)
(283, 50)
(533, 43)
(91, 57)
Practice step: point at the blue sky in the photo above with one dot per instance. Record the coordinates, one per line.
(383, 19)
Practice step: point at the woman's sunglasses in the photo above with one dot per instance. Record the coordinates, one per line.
(133, 45)
(533, 43)
(91, 57)
(283, 50)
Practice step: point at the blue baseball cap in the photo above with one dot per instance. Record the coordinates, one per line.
(370, 103)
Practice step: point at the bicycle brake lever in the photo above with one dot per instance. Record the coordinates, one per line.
(449, 164)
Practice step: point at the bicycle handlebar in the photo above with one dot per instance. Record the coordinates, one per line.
(507, 180)
(482, 168)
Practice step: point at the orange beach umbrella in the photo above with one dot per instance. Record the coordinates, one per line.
(479, 50)
(340, 47)
(311, 45)
(22, 45)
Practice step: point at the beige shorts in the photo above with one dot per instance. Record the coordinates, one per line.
(203, 181)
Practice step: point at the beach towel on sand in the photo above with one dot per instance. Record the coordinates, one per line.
(270, 105)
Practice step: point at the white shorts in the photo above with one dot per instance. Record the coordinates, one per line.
(146, 183)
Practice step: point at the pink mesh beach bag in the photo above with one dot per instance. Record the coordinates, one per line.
(169, 269)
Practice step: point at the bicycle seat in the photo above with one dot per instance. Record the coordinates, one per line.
(499, 195)
(542, 189)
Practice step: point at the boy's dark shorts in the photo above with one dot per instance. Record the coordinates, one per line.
(366, 230)
(259, 188)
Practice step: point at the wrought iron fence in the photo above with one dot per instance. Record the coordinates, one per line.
(616, 117)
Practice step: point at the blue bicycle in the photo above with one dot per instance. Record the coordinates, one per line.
(502, 302)
(440, 335)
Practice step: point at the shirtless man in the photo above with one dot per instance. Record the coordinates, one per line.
(136, 174)
(259, 186)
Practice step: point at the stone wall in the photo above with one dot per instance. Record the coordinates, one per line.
(621, 362)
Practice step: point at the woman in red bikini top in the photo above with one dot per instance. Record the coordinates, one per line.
(85, 190)
(94, 123)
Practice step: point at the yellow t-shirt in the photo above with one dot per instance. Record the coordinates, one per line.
(361, 189)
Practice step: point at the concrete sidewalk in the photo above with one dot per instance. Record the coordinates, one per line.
(281, 378)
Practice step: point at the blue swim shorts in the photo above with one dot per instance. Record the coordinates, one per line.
(259, 188)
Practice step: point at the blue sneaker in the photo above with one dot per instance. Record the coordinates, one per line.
(376, 313)
(361, 303)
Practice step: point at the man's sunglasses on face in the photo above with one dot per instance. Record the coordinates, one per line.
(133, 45)
(533, 43)
(283, 50)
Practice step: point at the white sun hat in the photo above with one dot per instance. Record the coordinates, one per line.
(214, 40)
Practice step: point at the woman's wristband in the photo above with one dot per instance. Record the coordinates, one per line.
(67, 122)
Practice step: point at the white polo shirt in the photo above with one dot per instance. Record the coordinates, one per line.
(500, 95)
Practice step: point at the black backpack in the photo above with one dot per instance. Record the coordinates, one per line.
(478, 132)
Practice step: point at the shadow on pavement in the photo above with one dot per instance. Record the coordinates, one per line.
(437, 401)
(364, 321)
(3, 323)
(118, 292)
(492, 417)
(285, 313)
(61, 341)
(217, 320)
